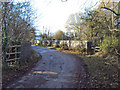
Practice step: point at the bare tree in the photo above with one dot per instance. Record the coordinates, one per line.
(108, 5)
(16, 20)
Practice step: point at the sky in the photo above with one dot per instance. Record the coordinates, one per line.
(53, 14)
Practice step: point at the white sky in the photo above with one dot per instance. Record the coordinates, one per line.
(53, 14)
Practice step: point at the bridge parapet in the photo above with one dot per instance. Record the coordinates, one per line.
(69, 43)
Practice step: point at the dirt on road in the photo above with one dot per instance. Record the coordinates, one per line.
(55, 70)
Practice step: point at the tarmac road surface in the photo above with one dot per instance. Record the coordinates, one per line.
(55, 70)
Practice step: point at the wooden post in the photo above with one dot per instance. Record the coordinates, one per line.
(88, 46)
(0, 50)
(15, 54)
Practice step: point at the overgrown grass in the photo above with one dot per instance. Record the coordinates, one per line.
(75, 52)
(15, 71)
(70, 51)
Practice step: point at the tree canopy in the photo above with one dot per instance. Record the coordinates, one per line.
(59, 35)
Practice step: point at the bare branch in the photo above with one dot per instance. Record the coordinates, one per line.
(117, 52)
(111, 10)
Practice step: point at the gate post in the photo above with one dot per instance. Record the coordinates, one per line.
(88, 46)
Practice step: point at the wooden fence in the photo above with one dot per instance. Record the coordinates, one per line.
(13, 53)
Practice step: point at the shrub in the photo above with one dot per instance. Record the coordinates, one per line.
(64, 46)
(80, 48)
(57, 46)
(61, 45)
(109, 45)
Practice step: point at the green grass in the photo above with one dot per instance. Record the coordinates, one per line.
(75, 52)
(15, 71)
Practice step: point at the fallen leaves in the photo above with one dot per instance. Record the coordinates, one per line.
(103, 74)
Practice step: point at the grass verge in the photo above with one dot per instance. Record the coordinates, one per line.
(14, 72)
(103, 74)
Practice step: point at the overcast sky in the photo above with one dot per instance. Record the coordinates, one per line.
(53, 14)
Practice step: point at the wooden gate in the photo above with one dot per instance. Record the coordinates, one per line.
(13, 54)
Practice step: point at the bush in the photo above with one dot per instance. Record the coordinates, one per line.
(64, 46)
(61, 45)
(109, 45)
(80, 48)
(39, 45)
(56, 46)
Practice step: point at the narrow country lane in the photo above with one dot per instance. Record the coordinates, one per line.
(55, 70)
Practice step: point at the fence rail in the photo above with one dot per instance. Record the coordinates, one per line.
(13, 53)
(14, 46)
